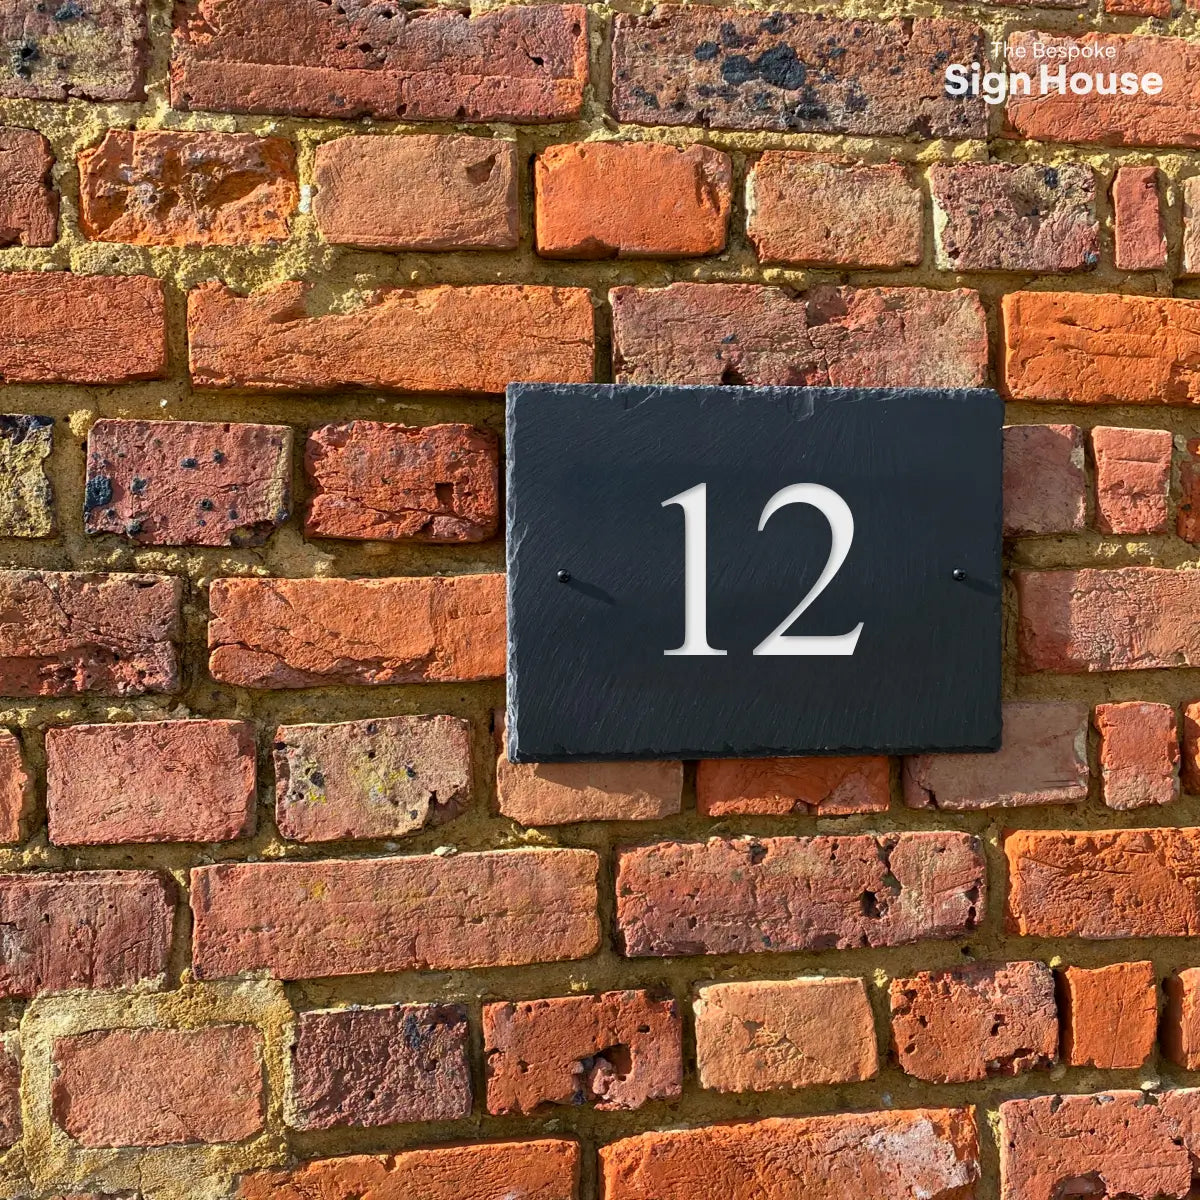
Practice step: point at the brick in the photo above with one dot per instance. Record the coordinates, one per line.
(1126, 619)
(1129, 1144)
(1002, 217)
(725, 68)
(64, 633)
(167, 187)
(460, 192)
(380, 481)
(188, 483)
(434, 339)
(566, 793)
(94, 52)
(56, 327)
(1139, 754)
(111, 1089)
(1133, 479)
(26, 497)
(1190, 263)
(1081, 348)
(309, 920)
(150, 781)
(1141, 235)
(1190, 767)
(785, 1033)
(520, 64)
(970, 1023)
(1109, 1015)
(290, 633)
(614, 1051)
(1045, 485)
(28, 200)
(382, 778)
(1166, 119)
(380, 1066)
(1102, 884)
(1181, 1019)
(1042, 760)
(737, 333)
(16, 790)
(631, 200)
(1187, 516)
(543, 1169)
(807, 210)
(84, 929)
(10, 1091)
(823, 787)
(928, 1152)
(781, 894)
(1138, 8)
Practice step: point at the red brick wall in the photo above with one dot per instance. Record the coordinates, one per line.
(278, 920)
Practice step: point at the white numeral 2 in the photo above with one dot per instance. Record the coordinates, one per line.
(829, 504)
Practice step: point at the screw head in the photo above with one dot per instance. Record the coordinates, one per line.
(563, 576)
(959, 574)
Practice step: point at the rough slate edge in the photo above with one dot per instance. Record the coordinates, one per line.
(639, 394)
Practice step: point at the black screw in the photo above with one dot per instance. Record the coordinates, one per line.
(959, 574)
(564, 577)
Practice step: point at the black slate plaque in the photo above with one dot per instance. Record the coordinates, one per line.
(700, 572)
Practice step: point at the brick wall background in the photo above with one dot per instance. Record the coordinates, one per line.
(274, 921)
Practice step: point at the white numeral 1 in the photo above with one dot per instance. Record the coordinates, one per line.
(694, 503)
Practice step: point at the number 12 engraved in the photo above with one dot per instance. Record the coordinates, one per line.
(829, 504)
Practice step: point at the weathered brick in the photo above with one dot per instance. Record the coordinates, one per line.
(1109, 1015)
(26, 497)
(614, 1051)
(793, 893)
(1187, 516)
(518, 63)
(10, 1091)
(1190, 766)
(1125, 1143)
(1101, 884)
(973, 1022)
(381, 778)
(1042, 760)
(16, 790)
(308, 920)
(381, 481)
(1181, 1019)
(159, 1087)
(1138, 8)
(28, 200)
(1125, 619)
(52, 52)
(63, 633)
(784, 1033)
(1166, 119)
(1045, 485)
(380, 1066)
(1133, 479)
(1190, 263)
(1141, 235)
(56, 327)
(289, 633)
(545, 1169)
(84, 929)
(1139, 754)
(1082, 348)
(168, 187)
(708, 333)
(150, 781)
(434, 339)
(808, 210)
(823, 787)
(188, 483)
(1003, 217)
(460, 192)
(726, 68)
(928, 1152)
(631, 200)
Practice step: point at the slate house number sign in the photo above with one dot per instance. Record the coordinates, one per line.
(699, 572)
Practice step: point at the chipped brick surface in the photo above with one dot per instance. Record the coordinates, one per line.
(1181, 1019)
(1133, 479)
(16, 790)
(28, 199)
(1139, 754)
(1045, 481)
(1109, 1015)
(781, 786)
(1141, 236)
